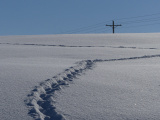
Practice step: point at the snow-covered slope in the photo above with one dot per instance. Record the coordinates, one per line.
(75, 77)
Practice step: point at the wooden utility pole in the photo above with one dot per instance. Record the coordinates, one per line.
(113, 26)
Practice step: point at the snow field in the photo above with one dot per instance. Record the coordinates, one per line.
(114, 90)
(107, 82)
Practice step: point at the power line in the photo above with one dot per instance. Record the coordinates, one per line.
(99, 25)
(94, 30)
(99, 30)
(142, 25)
(85, 28)
(141, 16)
(141, 20)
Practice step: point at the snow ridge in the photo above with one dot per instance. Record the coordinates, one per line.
(74, 46)
(49, 45)
(130, 47)
(130, 58)
(41, 102)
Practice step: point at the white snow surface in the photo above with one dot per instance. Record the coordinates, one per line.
(80, 77)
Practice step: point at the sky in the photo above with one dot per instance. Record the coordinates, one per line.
(37, 17)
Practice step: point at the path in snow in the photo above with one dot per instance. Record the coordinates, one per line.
(75, 46)
(41, 99)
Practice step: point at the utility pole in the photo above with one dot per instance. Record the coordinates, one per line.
(113, 26)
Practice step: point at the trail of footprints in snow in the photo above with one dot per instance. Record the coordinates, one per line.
(75, 46)
(41, 102)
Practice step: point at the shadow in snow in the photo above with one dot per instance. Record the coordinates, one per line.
(41, 99)
(75, 46)
(49, 45)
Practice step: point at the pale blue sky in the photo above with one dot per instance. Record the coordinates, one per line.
(33, 17)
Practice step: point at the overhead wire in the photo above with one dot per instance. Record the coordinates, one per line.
(125, 21)
(141, 20)
(85, 28)
(142, 25)
(141, 16)
(97, 30)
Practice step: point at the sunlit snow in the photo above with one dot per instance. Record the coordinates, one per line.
(80, 77)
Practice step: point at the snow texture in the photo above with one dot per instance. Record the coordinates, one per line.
(28, 60)
(41, 101)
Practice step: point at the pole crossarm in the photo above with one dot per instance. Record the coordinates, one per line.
(109, 25)
(113, 26)
(117, 25)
